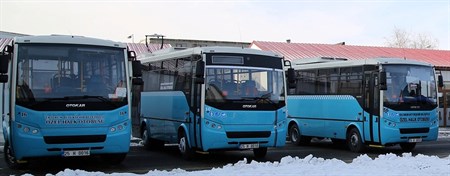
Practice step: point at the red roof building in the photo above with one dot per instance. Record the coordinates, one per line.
(292, 51)
(140, 48)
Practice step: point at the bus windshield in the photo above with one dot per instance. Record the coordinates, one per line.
(410, 86)
(48, 73)
(225, 85)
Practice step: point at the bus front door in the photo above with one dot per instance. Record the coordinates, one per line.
(372, 106)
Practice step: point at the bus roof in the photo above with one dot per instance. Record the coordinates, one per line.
(68, 39)
(348, 63)
(172, 53)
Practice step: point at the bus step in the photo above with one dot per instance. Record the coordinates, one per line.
(376, 146)
(22, 161)
(202, 152)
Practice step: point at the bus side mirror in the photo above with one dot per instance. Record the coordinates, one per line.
(137, 81)
(4, 61)
(382, 81)
(200, 72)
(200, 69)
(137, 70)
(440, 81)
(291, 78)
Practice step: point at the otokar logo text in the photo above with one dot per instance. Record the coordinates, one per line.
(75, 105)
(249, 106)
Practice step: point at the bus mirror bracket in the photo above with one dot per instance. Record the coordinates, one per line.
(131, 55)
(199, 80)
(3, 78)
(383, 81)
(137, 81)
(440, 81)
(287, 63)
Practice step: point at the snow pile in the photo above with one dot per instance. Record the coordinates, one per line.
(389, 164)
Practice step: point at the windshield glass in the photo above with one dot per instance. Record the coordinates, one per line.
(70, 72)
(243, 84)
(410, 85)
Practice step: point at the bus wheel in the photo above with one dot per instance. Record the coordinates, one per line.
(10, 159)
(296, 137)
(149, 143)
(260, 152)
(407, 147)
(183, 145)
(114, 159)
(354, 141)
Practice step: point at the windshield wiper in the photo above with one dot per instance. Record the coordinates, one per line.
(101, 98)
(264, 97)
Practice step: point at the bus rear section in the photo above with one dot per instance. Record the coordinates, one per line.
(68, 96)
(235, 101)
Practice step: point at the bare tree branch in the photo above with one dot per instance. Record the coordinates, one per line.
(402, 39)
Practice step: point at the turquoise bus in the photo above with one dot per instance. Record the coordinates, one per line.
(65, 96)
(360, 103)
(213, 98)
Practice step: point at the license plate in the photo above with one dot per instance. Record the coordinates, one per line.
(415, 140)
(249, 146)
(70, 153)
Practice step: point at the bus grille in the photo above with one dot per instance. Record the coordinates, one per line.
(248, 134)
(414, 130)
(74, 139)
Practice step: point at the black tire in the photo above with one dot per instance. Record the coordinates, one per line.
(354, 141)
(296, 137)
(114, 159)
(260, 152)
(150, 143)
(185, 149)
(10, 159)
(408, 147)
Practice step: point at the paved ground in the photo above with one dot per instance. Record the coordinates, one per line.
(444, 132)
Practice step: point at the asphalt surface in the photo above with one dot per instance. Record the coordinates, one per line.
(141, 161)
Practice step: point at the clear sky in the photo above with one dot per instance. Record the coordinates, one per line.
(359, 22)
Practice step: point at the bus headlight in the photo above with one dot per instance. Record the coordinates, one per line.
(213, 125)
(118, 127)
(389, 123)
(28, 129)
(434, 122)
